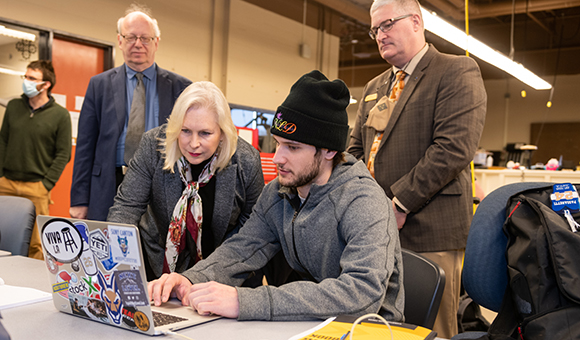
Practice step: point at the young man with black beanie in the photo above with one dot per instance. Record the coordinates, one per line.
(323, 212)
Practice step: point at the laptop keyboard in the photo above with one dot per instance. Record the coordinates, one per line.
(162, 319)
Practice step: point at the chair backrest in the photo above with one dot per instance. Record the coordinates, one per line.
(17, 216)
(485, 276)
(424, 282)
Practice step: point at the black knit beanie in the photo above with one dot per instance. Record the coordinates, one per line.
(314, 112)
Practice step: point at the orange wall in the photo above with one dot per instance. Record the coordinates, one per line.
(74, 65)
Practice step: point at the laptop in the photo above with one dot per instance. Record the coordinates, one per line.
(96, 272)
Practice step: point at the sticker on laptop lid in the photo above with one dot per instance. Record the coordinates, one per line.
(564, 196)
(131, 288)
(99, 244)
(111, 297)
(92, 286)
(51, 264)
(142, 321)
(62, 240)
(63, 281)
(124, 246)
(87, 258)
(128, 315)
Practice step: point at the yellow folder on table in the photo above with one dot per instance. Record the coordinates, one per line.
(370, 329)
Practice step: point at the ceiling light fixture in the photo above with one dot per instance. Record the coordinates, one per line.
(11, 72)
(445, 30)
(16, 34)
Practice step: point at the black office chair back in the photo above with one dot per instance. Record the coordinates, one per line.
(17, 216)
(424, 283)
(485, 275)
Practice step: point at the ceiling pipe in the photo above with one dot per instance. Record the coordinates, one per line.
(443, 6)
(361, 14)
(493, 10)
(349, 9)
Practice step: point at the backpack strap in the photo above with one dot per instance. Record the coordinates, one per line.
(505, 324)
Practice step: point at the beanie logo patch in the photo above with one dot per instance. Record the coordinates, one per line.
(282, 125)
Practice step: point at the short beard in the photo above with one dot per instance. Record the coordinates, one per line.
(309, 176)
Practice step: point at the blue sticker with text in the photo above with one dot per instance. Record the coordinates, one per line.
(564, 196)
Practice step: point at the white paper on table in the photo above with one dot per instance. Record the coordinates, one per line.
(13, 296)
(312, 330)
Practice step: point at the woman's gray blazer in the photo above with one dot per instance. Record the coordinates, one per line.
(148, 194)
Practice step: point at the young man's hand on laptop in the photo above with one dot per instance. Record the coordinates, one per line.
(168, 285)
(206, 298)
(214, 298)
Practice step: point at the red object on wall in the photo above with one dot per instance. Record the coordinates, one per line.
(249, 135)
(268, 166)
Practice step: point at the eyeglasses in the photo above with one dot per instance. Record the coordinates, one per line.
(386, 26)
(131, 39)
(31, 78)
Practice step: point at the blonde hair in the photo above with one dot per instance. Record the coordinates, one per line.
(200, 95)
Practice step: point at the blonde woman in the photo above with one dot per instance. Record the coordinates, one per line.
(191, 184)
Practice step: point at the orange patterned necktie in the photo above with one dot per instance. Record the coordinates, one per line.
(399, 86)
(395, 94)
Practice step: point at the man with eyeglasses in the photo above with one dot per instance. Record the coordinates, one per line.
(35, 144)
(120, 104)
(417, 131)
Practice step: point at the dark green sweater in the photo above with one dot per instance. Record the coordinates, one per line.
(35, 145)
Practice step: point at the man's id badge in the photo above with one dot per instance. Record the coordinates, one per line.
(564, 196)
(565, 202)
(371, 97)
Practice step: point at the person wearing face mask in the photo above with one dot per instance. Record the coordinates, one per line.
(35, 143)
(191, 184)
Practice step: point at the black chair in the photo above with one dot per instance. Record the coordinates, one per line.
(17, 216)
(424, 283)
(485, 274)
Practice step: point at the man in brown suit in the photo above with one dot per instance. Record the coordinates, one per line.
(424, 137)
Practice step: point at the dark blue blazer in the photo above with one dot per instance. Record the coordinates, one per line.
(100, 124)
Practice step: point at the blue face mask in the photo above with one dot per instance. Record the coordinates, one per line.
(29, 88)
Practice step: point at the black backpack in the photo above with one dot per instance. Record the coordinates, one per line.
(542, 300)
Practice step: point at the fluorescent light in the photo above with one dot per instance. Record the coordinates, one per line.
(457, 37)
(353, 100)
(16, 34)
(11, 72)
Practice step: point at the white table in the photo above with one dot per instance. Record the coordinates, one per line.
(491, 179)
(43, 321)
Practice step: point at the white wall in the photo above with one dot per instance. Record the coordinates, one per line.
(250, 53)
(264, 56)
(521, 112)
(253, 55)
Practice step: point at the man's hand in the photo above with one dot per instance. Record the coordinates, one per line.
(214, 298)
(401, 217)
(169, 285)
(79, 212)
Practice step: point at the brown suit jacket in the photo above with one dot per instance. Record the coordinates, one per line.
(424, 155)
